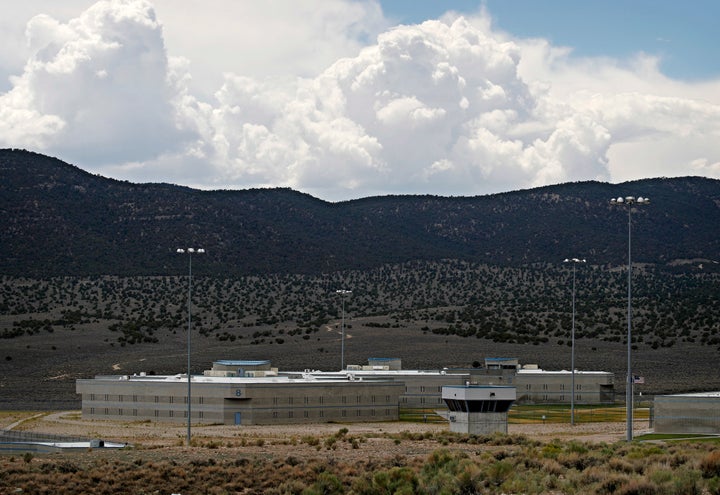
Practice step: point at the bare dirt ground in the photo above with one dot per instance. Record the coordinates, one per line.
(361, 441)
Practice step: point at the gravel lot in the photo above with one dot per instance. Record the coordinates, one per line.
(373, 440)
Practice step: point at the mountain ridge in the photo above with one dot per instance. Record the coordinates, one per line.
(61, 220)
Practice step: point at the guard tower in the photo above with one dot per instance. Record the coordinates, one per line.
(478, 409)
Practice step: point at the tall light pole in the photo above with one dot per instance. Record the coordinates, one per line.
(629, 202)
(574, 262)
(189, 252)
(343, 293)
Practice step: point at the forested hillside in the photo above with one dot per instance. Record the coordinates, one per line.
(59, 220)
(91, 282)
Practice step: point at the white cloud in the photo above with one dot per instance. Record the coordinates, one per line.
(96, 89)
(273, 38)
(154, 92)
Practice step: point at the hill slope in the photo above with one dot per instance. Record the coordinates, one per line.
(91, 283)
(59, 220)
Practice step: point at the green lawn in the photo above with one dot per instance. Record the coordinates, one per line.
(548, 413)
(522, 414)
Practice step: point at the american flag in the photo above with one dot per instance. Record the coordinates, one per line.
(640, 380)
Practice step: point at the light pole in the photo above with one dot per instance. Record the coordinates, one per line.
(574, 262)
(629, 202)
(343, 293)
(189, 252)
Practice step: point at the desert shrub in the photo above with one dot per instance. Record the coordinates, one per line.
(530, 460)
(678, 459)
(573, 460)
(710, 464)
(611, 484)
(576, 447)
(291, 487)
(441, 459)
(713, 486)
(440, 482)
(396, 480)
(660, 476)
(550, 483)
(621, 465)
(551, 466)
(551, 450)
(310, 440)
(638, 487)
(469, 477)
(686, 482)
(595, 474)
(326, 484)
(497, 472)
(532, 482)
(362, 485)
(499, 455)
(438, 474)
(202, 462)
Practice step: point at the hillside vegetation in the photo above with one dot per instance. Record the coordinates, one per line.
(91, 282)
(59, 220)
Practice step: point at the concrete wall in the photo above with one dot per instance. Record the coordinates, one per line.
(555, 387)
(248, 402)
(687, 413)
(478, 423)
(425, 391)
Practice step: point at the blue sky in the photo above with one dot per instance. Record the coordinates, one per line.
(683, 34)
(364, 97)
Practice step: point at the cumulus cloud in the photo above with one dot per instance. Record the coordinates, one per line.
(97, 88)
(448, 107)
(438, 107)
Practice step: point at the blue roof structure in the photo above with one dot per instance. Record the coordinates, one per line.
(230, 362)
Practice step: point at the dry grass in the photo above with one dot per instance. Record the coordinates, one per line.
(361, 458)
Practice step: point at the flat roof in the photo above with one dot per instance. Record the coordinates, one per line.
(239, 380)
(560, 372)
(242, 362)
(478, 386)
(371, 373)
(694, 394)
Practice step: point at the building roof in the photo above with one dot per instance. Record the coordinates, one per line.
(537, 371)
(231, 362)
(708, 395)
(230, 380)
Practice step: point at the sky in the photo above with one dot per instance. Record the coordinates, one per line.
(344, 99)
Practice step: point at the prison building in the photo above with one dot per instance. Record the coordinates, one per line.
(422, 389)
(239, 400)
(253, 392)
(697, 413)
(538, 386)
